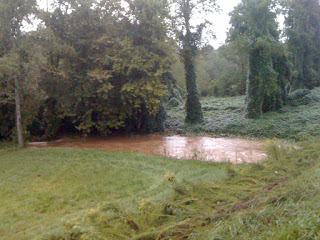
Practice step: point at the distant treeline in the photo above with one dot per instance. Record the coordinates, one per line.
(103, 66)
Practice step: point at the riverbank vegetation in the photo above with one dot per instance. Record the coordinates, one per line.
(298, 120)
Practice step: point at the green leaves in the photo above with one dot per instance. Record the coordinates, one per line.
(303, 33)
(254, 32)
(113, 64)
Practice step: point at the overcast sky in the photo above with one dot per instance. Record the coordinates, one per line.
(220, 20)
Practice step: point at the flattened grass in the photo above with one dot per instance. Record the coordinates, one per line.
(64, 194)
(41, 186)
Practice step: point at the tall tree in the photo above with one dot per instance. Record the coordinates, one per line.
(254, 29)
(303, 34)
(111, 72)
(190, 37)
(12, 15)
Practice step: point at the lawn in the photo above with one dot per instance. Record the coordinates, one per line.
(95, 194)
(41, 186)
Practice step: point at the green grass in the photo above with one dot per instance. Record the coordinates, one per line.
(92, 194)
(41, 186)
(71, 194)
(225, 116)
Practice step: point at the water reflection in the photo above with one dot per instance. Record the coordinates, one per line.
(235, 150)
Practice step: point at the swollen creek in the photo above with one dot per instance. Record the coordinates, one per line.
(235, 150)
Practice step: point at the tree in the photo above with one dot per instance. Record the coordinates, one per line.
(254, 30)
(219, 72)
(190, 38)
(111, 73)
(12, 15)
(303, 38)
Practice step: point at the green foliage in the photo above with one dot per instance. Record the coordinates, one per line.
(303, 97)
(12, 15)
(190, 39)
(254, 29)
(219, 73)
(303, 33)
(23, 65)
(18, 78)
(173, 102)
(96, 67)
(107, 66)
(224, 117)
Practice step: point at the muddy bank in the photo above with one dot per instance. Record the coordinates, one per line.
(236, 150)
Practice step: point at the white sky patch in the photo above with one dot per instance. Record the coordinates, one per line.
(221, 21)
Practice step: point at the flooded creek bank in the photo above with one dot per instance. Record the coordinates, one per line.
(236, 150)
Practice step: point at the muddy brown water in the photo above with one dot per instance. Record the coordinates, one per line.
(236, 150)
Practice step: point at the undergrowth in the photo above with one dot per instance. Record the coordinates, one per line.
(225, 116)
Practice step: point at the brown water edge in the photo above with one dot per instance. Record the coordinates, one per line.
(235, 150)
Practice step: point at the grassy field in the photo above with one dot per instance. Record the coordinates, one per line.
(40, 187)
(225, 116)
(92, 194)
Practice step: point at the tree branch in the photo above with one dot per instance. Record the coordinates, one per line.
(7, 102)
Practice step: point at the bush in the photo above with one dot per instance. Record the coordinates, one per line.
(302, 97)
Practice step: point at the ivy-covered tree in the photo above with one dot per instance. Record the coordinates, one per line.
(190, 38)
(303, 38)
(254, 30)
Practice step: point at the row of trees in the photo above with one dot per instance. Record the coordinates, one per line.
(272, 64)
(223, 72)
(95, 66)
(98, 66)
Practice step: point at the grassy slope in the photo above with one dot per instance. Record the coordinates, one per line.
(289, 211)
(40, 186)
(226, 116)
(69, 194)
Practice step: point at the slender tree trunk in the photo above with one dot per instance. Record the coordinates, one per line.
(18, 114)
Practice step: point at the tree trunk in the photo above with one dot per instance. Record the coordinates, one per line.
(193, 106)
(255, 86)
(18, 114)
